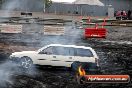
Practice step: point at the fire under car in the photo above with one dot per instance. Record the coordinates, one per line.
(55, 55)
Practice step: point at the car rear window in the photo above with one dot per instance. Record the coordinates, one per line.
(83, 52)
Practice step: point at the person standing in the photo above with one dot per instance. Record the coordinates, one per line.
(129, 14)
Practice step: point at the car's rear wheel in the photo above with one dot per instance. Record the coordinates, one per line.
(26, 62)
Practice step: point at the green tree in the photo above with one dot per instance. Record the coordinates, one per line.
(47, 3)
(1, 2)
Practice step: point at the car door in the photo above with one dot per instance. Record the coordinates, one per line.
(45, 56)
(63, 56)
(84, 55)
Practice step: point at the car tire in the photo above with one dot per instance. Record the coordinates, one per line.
(26, 62)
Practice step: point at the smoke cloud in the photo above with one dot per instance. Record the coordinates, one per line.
(22, 5)
(9, 69)
(71, 36)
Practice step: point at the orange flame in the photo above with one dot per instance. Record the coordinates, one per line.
(81, 71)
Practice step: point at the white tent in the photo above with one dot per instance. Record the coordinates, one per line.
(89, 2)
(64, 1)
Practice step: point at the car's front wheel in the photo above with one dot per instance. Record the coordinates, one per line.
(26, 62)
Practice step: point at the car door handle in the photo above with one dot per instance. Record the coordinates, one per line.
(70, 57)
(54, 56)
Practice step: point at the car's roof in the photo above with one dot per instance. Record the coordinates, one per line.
(74, 46)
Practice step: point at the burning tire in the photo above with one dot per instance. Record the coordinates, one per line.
(26, 62)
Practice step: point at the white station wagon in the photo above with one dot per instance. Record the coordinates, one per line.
(55, 55)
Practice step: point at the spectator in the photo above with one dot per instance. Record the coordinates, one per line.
(122, 13)
(129, 14)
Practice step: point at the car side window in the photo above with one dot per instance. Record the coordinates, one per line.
(68, 51)
(64, 51)
(60, 51)
(47, 51)
(83, 52)
(71, 51)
